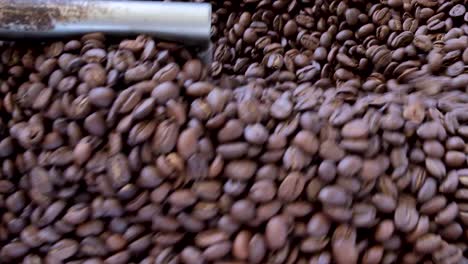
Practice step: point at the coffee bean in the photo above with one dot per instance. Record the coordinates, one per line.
(364, 215)
(257, 248)
(434, 205)
(119, 257)
(186, 143)
(118, 171)
(457, 10)
(428, 243)
(243, 210)
(276, 232)
(182, 198)
(405, 217)
(350, 166)
(384, 230)
(291, 187)
(262, 191)
(63, 249)
(256, 134)
(233, 129)
(240, 169)
(165, 138)
(210, 237)
(334, 195)
(435, 167)
(240, 248)
(447, 252)
(319, 225)
(331, 151)
(448, 214)
(344, 251)
(281, 108)
(199, 89)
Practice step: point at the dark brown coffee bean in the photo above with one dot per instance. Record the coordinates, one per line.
(51, 213)
(243, 210)
(457, 10)
(452, 231)
(77, 214)
(118, 171)
(291, 187)
(165, 138)
(240, 169)
(319, 225)
(187, 142)
(232, 150)
(167, 73)
(276, 232)
(364, 215)
(384, 230)
(93, 74)
(455, 158)
(428, 243)
(306, 141)
(240, 248)
(199, 89)
(191, 255)
(233, 129)
(210, 237)
(262, 191)
(13, 250)
(331, 151)
(217, 251)
(281, 108)
(101, 96)
(257, 248)
(344, 251)
(165, 92)
(118, 258)
(448, 214)
(406, 216)
(95, 124)
(334, 195)
(435, 167)
(294, 158)
(63, 249)
(450, 184)
(373, 255)
(434, 205)
(194, 69)
(256, 134)
(427, 190)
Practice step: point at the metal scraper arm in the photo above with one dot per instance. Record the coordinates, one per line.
(188, 23)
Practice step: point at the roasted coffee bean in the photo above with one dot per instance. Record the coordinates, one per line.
(406, 216)
(62, 250)
(291, 187)
(334, 195)
(240, 169)
(319, 225)
(243, 210)
(263, 191)
(428, 243)
(276, 232)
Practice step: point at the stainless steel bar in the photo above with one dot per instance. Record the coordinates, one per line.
(188, 23)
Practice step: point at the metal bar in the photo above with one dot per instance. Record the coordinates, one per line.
(188, 23)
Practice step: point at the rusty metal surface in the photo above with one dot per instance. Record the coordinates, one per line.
(40, 15)
(188, 23)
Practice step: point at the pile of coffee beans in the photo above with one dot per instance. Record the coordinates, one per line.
(322, 132)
